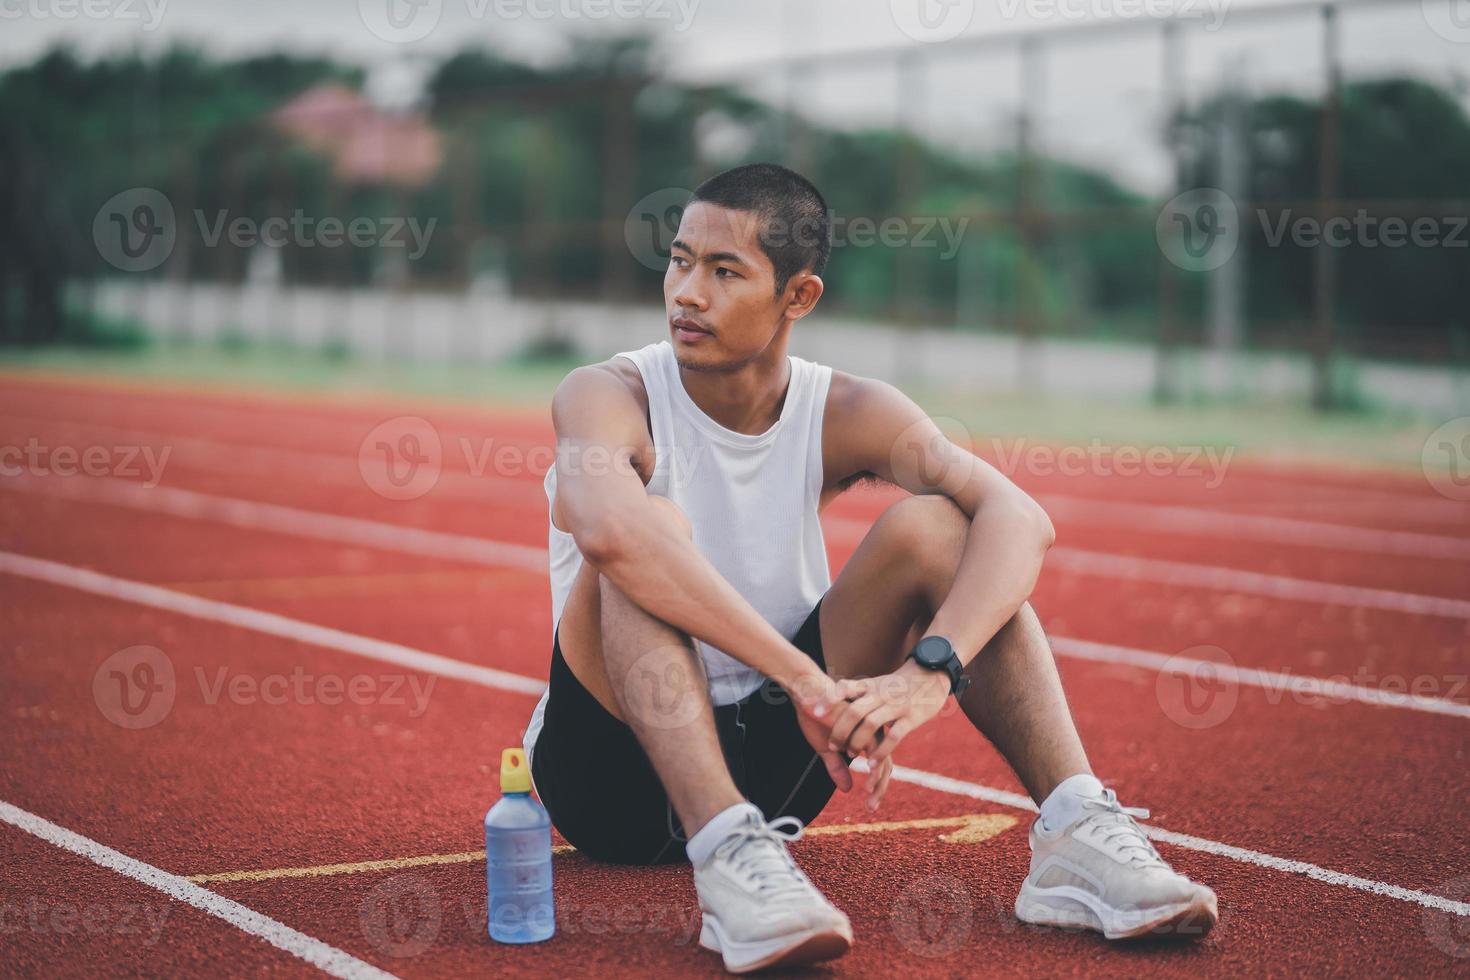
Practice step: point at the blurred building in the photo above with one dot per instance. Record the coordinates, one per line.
(365, 144)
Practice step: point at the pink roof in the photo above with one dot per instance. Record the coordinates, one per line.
(365, 144)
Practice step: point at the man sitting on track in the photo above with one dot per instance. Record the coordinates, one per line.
(690, 597)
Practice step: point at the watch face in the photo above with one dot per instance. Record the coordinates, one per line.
(933, 651)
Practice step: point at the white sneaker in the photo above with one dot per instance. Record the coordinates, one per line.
(759, 909)
(1102, 873)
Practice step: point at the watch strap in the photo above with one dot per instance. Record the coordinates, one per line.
(958, 679)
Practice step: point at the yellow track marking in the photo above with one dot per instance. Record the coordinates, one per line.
(318, 586)
(970, 829)
(980, 829)
(390, 864)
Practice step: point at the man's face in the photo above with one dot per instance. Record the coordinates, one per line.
(719, 290)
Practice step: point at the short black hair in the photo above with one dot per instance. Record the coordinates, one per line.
(796, 229)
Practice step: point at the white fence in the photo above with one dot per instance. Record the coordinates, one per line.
(481, 328)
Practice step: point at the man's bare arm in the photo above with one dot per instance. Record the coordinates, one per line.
(879, 430)
(605, 506)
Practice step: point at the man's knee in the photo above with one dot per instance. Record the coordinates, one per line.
(665, 510)
(926, 531)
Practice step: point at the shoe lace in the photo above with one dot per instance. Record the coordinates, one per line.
(759, 851)
(1121, 832)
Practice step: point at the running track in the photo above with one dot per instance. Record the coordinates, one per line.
(1274, 665)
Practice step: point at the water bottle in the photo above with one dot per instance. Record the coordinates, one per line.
(518, 858)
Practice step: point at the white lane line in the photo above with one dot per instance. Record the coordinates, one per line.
(1259, 472)
(262, 622)
(256, 516)
(459, 547)
(959, 787)
(303, 466)
(1315, 872)
(1253, 583)
(1274, 683)
(1169, 518)
(342, 469)
(497, 554)
(1417, 512)
(327, 958)
(148, 595)
(1217, 578)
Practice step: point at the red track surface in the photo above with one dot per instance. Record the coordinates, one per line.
(222, 784)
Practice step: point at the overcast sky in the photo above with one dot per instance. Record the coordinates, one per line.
(1099, 100)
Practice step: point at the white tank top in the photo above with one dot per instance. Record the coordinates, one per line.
(752, 501)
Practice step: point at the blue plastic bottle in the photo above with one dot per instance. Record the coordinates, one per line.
(518, 858)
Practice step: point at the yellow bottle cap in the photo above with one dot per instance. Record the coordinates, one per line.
(515, 775)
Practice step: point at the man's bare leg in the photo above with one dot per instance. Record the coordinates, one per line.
(659, 682)
(648, 675)
(881, 605)
(1015, 699)
(884, 600)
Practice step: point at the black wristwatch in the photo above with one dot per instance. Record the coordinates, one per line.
(936, 653)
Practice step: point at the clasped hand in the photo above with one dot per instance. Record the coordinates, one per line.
(870, 716)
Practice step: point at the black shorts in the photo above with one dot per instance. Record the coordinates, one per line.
(604, 796)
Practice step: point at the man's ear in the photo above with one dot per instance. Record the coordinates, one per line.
(803, 292)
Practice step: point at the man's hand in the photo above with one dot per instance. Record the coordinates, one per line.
(879, 773)
(817, 700)
(882, 710)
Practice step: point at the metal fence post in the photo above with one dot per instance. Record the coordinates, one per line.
(620, 150)
(1029, 215)
(1165, 385)
(1324, 267)
(909, 179)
